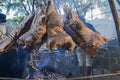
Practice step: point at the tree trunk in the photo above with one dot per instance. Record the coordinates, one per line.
(116, 18)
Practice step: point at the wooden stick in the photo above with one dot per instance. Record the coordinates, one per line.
(95, 76)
